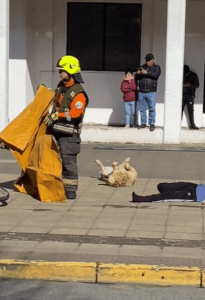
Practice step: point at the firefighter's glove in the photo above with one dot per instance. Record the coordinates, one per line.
(48, 121)
(51, 119)
(54, 116)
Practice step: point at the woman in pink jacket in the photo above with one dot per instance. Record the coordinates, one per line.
(129, 89)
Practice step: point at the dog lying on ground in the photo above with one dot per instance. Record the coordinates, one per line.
(118, 175)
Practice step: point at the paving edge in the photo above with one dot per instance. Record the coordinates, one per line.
(102, 273)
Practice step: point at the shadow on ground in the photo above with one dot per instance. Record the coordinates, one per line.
(8, 185)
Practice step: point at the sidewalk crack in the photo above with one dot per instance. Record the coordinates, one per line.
(166, 225)
(96, 272)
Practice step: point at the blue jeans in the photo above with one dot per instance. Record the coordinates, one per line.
(147, 100)
(130, 108)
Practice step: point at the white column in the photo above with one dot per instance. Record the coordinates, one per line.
(4, 62)
(174, 70)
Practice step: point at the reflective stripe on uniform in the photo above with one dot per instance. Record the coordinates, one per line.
(68, 118)
(70, 181)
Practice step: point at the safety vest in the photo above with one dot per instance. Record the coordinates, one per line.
(69, 94)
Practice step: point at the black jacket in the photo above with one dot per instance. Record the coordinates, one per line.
(148, 82)
(191, 78)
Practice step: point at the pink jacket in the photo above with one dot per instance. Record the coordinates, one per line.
(129, 89)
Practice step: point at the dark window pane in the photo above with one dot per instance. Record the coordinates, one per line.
(104, 36)
(122, 40)
(85, 34)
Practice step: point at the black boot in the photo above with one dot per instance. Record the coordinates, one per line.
(193, 127)
(152, 127)
(70, 195)
(137, 198)
(142, 126)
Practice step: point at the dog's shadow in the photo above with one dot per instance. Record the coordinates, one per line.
(102, 182)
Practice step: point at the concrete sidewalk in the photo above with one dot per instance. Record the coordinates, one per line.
(117, 134)
(111, 237)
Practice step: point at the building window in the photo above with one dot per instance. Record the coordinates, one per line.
(104, 36)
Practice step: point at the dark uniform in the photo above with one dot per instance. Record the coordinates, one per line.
(70, 103)
(65, 120)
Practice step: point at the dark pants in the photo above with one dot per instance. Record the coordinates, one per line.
(175, 190)
(189, 101)
(69, 149)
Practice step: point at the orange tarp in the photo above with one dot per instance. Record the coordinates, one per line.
(36, 152)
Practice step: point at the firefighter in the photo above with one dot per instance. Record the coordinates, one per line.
(65, 119)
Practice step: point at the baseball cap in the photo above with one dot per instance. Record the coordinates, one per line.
(149, 56)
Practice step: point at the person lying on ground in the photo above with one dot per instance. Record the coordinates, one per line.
(177, 190)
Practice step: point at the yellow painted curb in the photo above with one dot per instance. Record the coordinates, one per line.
(101, 273)
(146, 274)
(48, 270)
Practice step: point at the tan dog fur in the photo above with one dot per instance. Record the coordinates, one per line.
(118, 175)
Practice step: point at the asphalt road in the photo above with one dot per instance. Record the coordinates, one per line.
(42, 290)
(180, 163)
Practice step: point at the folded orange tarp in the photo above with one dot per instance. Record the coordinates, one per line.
(36, 152)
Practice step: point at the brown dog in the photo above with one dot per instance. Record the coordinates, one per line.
(118, 175)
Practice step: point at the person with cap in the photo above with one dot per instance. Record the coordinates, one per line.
(190, 83)
(65, 119)
(147, 76)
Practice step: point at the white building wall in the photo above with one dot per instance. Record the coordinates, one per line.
(154, 25)
(40, 28)
(106, 105)
(4, 62)
(31, 50)
(20, 85)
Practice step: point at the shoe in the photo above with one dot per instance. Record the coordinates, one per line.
(142, 126)
(70, 195)
(137, 198)
(127, 126)
(152, 127)
(194, 127)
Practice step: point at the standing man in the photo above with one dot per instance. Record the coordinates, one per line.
(65, 120)
(191, 82)
(147, 77)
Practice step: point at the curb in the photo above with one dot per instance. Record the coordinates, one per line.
(102, 273)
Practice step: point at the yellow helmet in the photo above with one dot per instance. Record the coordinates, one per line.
(71, 65)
